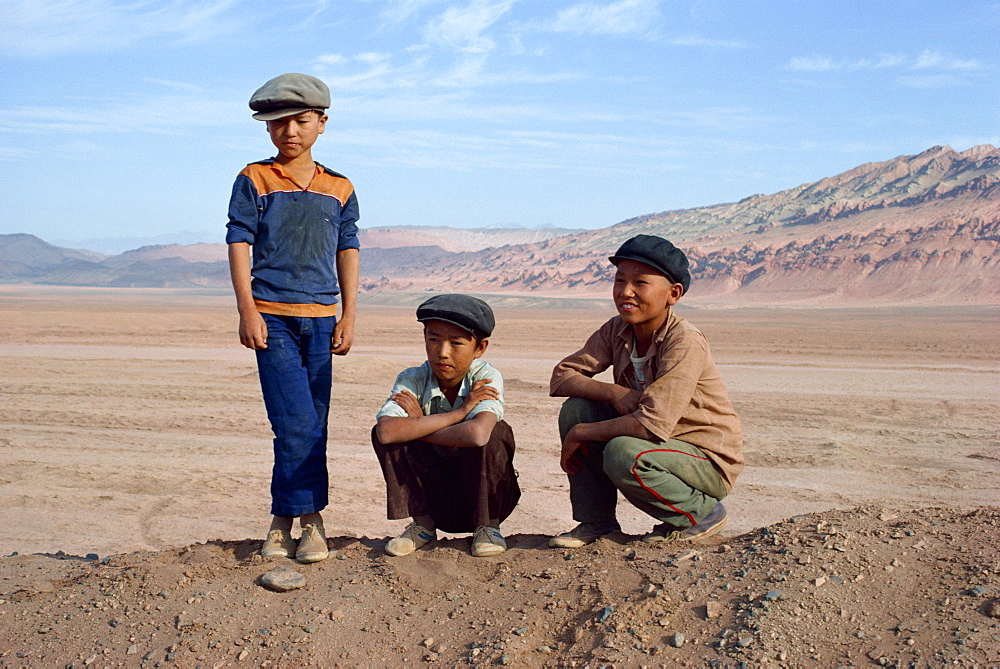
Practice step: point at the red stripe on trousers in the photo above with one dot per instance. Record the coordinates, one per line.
(653, 492)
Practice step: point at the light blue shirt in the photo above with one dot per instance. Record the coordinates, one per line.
(422, 383)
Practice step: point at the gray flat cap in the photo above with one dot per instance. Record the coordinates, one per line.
(467, 312)
(289, 94)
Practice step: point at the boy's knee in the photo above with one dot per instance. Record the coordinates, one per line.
(573, 411)
(576, 410)
(619, 458)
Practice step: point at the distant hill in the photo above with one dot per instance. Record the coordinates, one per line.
(27, 259)
(456, 239)
(914, 229)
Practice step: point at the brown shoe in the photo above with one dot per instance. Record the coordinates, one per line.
(279, 543)
(312, 544)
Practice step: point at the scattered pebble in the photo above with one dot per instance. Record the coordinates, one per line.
(677, 640)
(993, 608)
(282, 579)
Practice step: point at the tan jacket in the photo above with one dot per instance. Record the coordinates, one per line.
(687, 399)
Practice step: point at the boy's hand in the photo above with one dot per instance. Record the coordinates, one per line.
(480, 392)
(408, 403)
(343, 337)
(571, 445)
(626, 400)
(253, 331)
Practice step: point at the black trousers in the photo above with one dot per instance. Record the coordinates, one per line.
(460, 488)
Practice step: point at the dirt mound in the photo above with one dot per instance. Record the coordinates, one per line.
(860, 586)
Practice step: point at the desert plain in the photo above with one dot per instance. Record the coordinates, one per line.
(132, 424)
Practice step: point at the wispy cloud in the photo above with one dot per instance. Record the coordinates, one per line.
(367, 72)
(29, 28)
(465, 28)
(399, 11)
(708, 42)
(626, 17)
(926, 60)
(177, 85)
(813, 64)
(935, 60)
(13, 153)
(462, 151)
(158, 115)
(931, 81)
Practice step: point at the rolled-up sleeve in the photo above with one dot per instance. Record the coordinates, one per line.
(347, 234)
(405, 380)
(494, 406)
(244, 212)
(592, 359)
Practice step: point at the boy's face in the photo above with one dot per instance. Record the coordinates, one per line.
(642, 294)
(295, 135)
(450, 351)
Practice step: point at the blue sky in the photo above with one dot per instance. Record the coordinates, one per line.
(130, 119)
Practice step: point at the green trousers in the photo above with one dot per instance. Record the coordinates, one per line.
(671, 481)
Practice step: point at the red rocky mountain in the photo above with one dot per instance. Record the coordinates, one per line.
(914, 229)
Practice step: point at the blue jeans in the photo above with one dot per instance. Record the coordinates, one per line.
(295, 377)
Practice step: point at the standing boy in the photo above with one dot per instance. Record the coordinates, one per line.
(300, 220)
(664, 432)
(446, 454)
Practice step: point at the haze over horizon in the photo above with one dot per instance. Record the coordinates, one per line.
(126, 120)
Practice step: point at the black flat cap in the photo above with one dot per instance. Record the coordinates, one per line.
(289, 94)
(467, 312)
(659, 254)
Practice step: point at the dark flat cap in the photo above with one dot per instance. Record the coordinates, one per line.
(289, 94)
(467, 312)
(659, 254)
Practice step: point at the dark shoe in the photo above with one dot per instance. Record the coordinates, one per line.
(583, 534)
(707, 526)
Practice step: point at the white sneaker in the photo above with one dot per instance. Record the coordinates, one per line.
(487, 541)
(412, 538)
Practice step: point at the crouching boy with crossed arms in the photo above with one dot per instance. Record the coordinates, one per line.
(445, 451)
(664, 432)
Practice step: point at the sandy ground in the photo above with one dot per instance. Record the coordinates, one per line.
(132, 421)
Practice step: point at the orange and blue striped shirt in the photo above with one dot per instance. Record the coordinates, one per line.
(295, 232)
